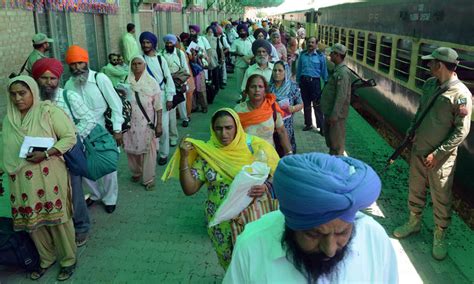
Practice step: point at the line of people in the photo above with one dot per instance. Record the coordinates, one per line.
(319, 195)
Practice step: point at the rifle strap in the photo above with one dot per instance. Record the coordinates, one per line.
(432, 102)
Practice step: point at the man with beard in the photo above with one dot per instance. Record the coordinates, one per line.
(241, 48)
(201, 41)
(114, 71)
(176, 60)
(311, 69)
(318, 235)
(261, 50)
(41, 45)
(158, 68)
(98, 92)
(47, 73)
(262, 34)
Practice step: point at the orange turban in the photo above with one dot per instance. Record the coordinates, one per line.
(75, 54)
(46, 64)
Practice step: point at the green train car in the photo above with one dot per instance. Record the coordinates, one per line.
(385, 41)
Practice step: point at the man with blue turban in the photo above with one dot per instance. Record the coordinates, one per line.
(178, 64)
(158, 68)
(318, 235)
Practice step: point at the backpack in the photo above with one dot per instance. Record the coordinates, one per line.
(126, 110)
(17, 248)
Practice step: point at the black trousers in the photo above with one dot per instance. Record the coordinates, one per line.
(311, 95)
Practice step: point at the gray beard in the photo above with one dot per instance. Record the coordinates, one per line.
(261, 61)
(81, 79)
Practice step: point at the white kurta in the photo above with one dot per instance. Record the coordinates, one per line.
(259, 258)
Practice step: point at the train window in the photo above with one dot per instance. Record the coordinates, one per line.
(350, 44)
(336, 35)
(331, 36)
(371, 47)
(326, 35)
(422, 69)
(465, 69)
(320, 32)
(385, 54)
(360, 45)
(402, 60)
(343, 37)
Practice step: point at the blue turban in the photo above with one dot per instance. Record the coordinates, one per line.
(196, 28)
(149, 36)
(314, 189)
(170, 37)
(242, 26)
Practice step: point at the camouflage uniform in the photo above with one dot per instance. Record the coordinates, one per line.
(444, 128)
(335, 102)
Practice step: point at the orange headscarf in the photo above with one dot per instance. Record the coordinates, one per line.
(75, 54)
(261, 114)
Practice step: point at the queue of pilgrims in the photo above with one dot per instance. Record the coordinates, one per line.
(313, 230)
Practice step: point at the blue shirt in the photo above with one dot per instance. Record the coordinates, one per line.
(312, 65)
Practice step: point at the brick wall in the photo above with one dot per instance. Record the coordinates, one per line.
(13, 49)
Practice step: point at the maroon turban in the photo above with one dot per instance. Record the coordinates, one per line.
(196, 28)
(47, 64)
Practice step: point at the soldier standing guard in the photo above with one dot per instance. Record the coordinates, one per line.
(435, 146)
(335, 101)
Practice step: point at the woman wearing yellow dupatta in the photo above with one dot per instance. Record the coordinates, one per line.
(216, 163)
(39, 184)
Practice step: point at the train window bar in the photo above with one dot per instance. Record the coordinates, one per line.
(371, 48)
(350, 45)
(360, 45)
(336, 35)
(385, 54)
(403, 59)
(331, 37)
(422, 71)
(343, 37)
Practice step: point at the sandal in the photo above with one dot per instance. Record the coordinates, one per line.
(35, 275)
(66, 272)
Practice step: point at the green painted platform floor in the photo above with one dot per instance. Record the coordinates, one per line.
(160, 236)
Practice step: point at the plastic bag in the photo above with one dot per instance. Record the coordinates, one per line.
(237, 198)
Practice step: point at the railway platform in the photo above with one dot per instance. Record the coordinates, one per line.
(160, 236)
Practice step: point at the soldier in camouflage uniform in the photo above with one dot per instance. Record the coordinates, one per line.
(335, 101)
(435, 147)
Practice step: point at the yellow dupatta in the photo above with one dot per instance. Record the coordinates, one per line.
(226, 160)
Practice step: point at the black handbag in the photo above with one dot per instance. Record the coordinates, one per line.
(177, 99)
(75, 158)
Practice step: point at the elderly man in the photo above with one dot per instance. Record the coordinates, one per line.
(335, 101)
(261, 50)
(176, 59)
(318, 235)
(116, 73)
(435, 146)
(262, 34)
(130, 46)
(47, 73)
(98, 93)
(311, 69)
(158, 68)
(41, 45)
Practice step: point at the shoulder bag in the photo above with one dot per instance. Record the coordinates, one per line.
(126, 110)
(75, 158)
(101, 152)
